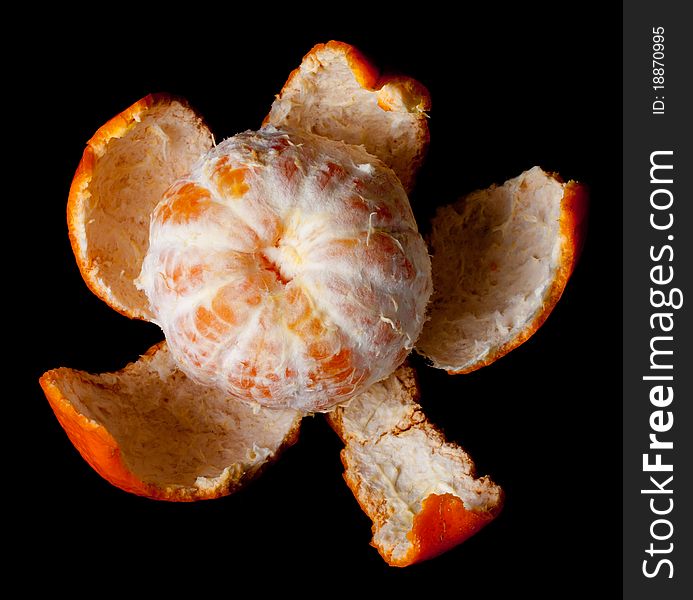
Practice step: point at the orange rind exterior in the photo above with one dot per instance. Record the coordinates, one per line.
(442, 523)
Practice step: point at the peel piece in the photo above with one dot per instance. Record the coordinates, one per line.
(151, 431)
(420, 491)
(337, 93)
(501, 260)
(127, 165)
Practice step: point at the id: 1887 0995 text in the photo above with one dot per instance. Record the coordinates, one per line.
(658, 70)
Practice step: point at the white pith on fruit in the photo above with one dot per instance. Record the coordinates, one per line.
(287, 269)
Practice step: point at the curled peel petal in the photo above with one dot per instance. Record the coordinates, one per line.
(501, 260)
(149, 430)
(420, 491)
(337, 93)
(127, 165)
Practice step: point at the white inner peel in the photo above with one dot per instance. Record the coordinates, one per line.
(173, 432)
(403, 469)
(129, 178)
(395, 459)
(326, 99)
(495, 255)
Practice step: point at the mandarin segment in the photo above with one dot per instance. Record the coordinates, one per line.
(230, 180)
(184, 202)
(238, 186)
(330, 174)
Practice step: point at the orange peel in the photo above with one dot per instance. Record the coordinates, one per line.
(127, 165)
(501, 260)
(420, 491)
(149, 430)
(336, 92)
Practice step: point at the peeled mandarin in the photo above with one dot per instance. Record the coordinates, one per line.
(287, 269)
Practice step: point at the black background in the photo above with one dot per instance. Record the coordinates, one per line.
(510, 90)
